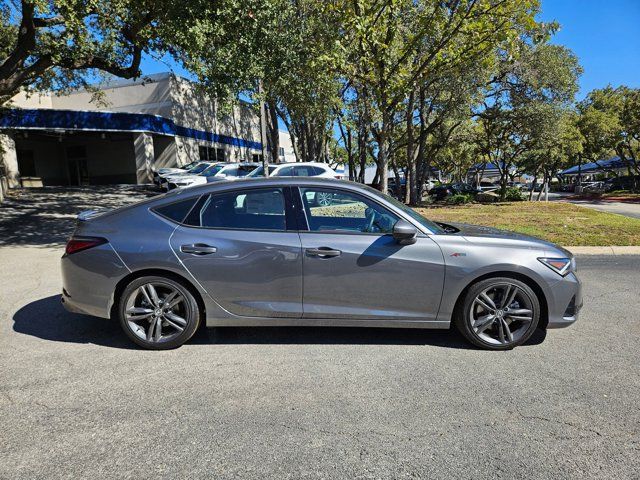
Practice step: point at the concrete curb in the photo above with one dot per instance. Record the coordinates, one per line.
(612, 250)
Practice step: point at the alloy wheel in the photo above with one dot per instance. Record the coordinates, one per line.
(156, 312)
(324, 199)
(501, 314)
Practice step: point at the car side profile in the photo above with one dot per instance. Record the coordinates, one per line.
(264, 252)
(297, 169)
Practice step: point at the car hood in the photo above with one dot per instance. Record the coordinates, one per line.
(185, 178)
(482, 234)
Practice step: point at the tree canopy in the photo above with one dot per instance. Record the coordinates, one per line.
(405, 85)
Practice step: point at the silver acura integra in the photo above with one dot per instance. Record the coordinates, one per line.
(295, 251)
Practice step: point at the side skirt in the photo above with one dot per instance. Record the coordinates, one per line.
(323, 322)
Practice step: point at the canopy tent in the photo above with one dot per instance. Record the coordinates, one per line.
(599, 166)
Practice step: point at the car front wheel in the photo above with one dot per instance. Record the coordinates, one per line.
(158, 313)
(498, 313)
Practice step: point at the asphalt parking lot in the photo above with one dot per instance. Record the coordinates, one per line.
(77, 400)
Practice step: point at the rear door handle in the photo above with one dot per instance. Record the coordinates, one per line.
(323, 252)
(198, 249)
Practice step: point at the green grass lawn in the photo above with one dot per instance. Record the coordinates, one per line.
(561, 223)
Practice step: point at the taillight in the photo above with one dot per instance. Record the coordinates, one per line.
(77, 244)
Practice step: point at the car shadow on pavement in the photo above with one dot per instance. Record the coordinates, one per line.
(339, 336)
(47, 319)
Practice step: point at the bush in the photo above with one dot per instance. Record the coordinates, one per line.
(460, 198)
(513, 195)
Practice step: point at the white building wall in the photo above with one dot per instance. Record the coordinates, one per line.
(287, 146)
(152, 98)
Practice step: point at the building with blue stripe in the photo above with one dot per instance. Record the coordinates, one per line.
(124, 133)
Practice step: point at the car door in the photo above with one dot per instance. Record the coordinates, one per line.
(243, 248)
(353, 267)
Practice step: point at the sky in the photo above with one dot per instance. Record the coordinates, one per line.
(605, 34)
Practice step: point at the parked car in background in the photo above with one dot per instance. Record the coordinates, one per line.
(486, 186)
(195, 170)
(624, 182)
(216, 172)
(297, 169)
(166, 171)
(442, 191)
(392, 189)
(259, 252)
(593, 187)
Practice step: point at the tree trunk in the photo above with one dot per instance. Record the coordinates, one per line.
(383, 158)
(411, 194)
(274, 132)
(363, 135)
(533, 183)
(544, 183)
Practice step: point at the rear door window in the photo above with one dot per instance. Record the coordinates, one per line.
(255, 209)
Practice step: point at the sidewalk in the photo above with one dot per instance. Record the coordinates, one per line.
(612, 250)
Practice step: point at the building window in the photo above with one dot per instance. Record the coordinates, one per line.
(211, 154)
(256, 157)
(26, 163)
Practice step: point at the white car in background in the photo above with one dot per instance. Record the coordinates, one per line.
(162, 172)
(298, 169)
(198, 168)
(213, 173)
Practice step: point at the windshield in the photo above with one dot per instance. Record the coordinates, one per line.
(432, 226)
(199, 168)
(212, 171)
(258, 172)
(189, 165)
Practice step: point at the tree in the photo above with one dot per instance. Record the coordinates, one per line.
(524, 98)
(610, 123)
(556, 143)
(62, 44)
(392, 45)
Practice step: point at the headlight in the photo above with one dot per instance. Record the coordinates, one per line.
(561, 266)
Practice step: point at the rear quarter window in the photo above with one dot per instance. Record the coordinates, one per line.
(176, 211)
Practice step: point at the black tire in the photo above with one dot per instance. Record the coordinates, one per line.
(189, 311)
(463, 315)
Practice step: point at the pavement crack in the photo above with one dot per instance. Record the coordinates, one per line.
(559, 422)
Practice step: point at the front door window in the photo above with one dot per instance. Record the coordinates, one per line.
(330, 210)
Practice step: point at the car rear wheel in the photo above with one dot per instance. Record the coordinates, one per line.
(498, 313)
(158, 313)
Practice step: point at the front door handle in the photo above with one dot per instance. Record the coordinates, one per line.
(198, 249)
(323, 252)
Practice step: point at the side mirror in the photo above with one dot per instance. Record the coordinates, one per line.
(404, 233)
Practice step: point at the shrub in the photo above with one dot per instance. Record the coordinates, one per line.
(460, 198)
(513, 195)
